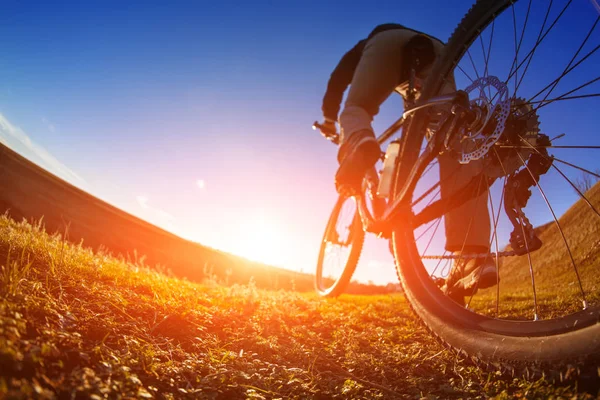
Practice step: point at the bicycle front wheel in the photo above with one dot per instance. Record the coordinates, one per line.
(340, 248)
(530, 68)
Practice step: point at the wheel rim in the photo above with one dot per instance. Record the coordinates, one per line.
(557, 280)
(337, 245)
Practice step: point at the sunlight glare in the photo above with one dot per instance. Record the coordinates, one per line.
(260, 239)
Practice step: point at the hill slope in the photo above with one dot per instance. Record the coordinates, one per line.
(30, 192)
(74, 324)
(556, 282)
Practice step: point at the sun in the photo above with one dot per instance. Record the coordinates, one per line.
(262, 239)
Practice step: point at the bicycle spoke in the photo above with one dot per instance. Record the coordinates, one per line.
(437, 225)
(559, 229)
(427, 193)
(425, 231)
(431, 189)
(473, 64)
(440, 207)
(531, 273)
(430, 226)
(496, 246)
(464, 72)
(487, 57)
(495, 219)
(487, 60)
(564, 176)
(577, 189)
(535, 305)
(562, 96)
(556, 220)
(582, 96)
(432, 236)
(433, 164)
(485, 69)
(550, 147)
(477, 205)
(529, 55)
(338, 250)
(568, 68)
(579, 168)
(532, 52)
(474, 69)
(517, 47)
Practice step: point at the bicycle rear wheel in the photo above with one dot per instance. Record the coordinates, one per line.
(544, 311)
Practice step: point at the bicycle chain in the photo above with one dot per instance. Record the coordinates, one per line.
(471, 256)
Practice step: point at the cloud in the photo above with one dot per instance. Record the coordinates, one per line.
(48, 125)
(143, 201)
(15, 138)
(201, 184)
(156, 215)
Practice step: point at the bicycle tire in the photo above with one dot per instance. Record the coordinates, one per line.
(339, 285)
(525, 346)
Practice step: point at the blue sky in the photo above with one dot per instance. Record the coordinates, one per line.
(196, 115)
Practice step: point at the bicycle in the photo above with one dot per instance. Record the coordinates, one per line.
(494, 123)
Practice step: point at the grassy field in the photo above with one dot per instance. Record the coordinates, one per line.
(74, 324)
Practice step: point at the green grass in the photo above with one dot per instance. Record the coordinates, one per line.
(74, 324)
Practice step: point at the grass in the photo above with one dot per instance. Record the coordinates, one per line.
(76, 324)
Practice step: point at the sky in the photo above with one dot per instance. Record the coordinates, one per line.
(195, 115)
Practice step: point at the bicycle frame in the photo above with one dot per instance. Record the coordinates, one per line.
(448, 98)
(381, 224)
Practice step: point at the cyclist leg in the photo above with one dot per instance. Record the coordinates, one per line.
(375, 78)
(467, 231)
(467, 226)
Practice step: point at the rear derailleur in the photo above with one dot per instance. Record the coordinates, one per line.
(523, 238)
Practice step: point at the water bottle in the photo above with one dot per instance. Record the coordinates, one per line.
(387, 173)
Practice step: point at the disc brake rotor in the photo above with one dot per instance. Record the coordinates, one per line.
(494, 106)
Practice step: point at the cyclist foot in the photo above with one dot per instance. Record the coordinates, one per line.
(468, 276)
(359, 153)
